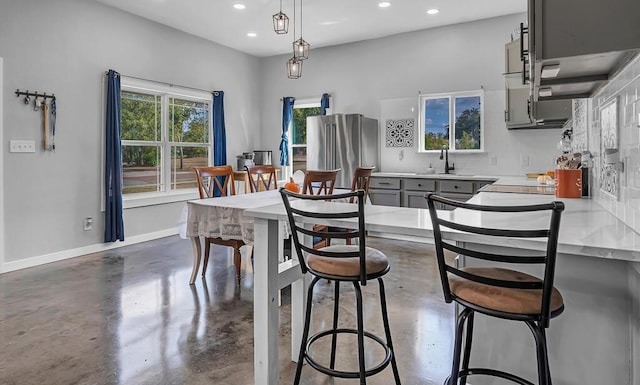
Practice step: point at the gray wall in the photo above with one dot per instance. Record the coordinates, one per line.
(377, 77)
(64, 46)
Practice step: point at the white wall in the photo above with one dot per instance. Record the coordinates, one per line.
(375, 77)
(64, 47)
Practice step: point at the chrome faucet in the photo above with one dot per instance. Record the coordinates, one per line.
(444, 154)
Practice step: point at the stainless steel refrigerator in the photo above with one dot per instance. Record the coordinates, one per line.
(343, 141)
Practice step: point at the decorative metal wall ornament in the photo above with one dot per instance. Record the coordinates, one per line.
(281, 22)
(400, 133)
(300, 47)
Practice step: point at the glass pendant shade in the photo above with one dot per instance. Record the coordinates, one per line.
(294, 68)
(280, 23)
(301, 49)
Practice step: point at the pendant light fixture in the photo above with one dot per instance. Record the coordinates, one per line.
(294, 65)
(281, 22)
(300, 47)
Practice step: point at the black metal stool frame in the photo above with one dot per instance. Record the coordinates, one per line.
(357, 281)
(537, 323)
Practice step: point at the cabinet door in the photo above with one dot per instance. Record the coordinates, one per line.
(457, 197)
(415, 199)
(385, 197)
(517, 113)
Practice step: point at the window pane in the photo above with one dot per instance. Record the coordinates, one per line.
(467, 125)
(188, 121)
(300, 158)
(183, 160)
(140, 169)
(299, 129)
(140, 116)
(436, 123)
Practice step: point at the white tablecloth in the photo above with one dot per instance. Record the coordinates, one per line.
(223, 217)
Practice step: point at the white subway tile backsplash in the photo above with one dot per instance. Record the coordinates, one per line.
(625, 86)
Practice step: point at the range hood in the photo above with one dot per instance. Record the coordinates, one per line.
(586, 42)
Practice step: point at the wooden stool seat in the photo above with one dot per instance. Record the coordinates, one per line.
(375, 260)
(507, 300)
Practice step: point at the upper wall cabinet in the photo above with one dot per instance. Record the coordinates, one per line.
(575, 46)
(521, 112)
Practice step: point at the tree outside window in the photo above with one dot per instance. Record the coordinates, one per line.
(451, 120)
(299, 134)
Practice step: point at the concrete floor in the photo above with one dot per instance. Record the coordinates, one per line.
(129, 316)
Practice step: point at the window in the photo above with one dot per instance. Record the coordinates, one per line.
(454, 120)
(165, 133)
(299, 132)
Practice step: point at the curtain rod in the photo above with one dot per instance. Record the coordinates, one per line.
(310, 97)
(165, 83)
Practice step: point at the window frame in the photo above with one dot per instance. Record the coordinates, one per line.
(166, 91)
(422, 98)
(302, 103)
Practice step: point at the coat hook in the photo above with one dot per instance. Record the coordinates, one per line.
(27, 99)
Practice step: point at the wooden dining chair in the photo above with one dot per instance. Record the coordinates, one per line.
(218, 181)
(261, 178)
(319, 182)
(361, 180)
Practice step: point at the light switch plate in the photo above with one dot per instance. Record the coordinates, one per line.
(22, 146)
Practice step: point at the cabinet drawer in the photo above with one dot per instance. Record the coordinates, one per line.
(456, 186)
(380, 182)
(419, 184)
(385, 197)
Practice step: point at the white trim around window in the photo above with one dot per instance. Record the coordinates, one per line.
(437, 114)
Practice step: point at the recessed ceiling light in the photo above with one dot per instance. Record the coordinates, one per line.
(433, 11)
(239, 6)
(252, 34)
(384, 4)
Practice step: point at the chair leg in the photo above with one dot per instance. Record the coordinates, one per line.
(467, 347)
(334, 337)
(387, 330)
(207, 248)
(455, 367)
(360, 318)
(237, 260)
(305, 332)
(544, 377)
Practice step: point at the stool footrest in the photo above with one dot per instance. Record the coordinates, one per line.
(494, 373)
(346, 374)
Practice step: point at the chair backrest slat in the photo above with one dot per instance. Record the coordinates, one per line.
(319, 182)
(261, 177)
(215, 181)
(547, 260)
(361, 180)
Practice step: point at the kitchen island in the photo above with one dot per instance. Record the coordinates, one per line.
(595, 341)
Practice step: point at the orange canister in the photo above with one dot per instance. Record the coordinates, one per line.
(568, 183)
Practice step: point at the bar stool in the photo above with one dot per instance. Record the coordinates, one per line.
(497, 291)
(356, 264)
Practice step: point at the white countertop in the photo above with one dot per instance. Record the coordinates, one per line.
(586, 228)
(414, 175)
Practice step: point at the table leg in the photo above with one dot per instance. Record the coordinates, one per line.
(265, 302)
(197, 253)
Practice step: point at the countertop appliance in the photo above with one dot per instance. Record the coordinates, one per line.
(343, 141)
(246, 159)
(262, 157)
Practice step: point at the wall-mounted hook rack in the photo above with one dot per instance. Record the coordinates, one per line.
(35, 94)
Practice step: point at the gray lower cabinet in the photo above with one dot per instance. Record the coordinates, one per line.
(410, 192)
(414, 191)
(385, 191)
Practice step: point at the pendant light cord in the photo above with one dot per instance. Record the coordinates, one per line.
(300, 19)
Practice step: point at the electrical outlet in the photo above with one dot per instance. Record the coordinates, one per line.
(22, 146)
(494, 160)
(88, 224)
(524, 160)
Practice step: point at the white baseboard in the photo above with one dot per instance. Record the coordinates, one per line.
(71, 253)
